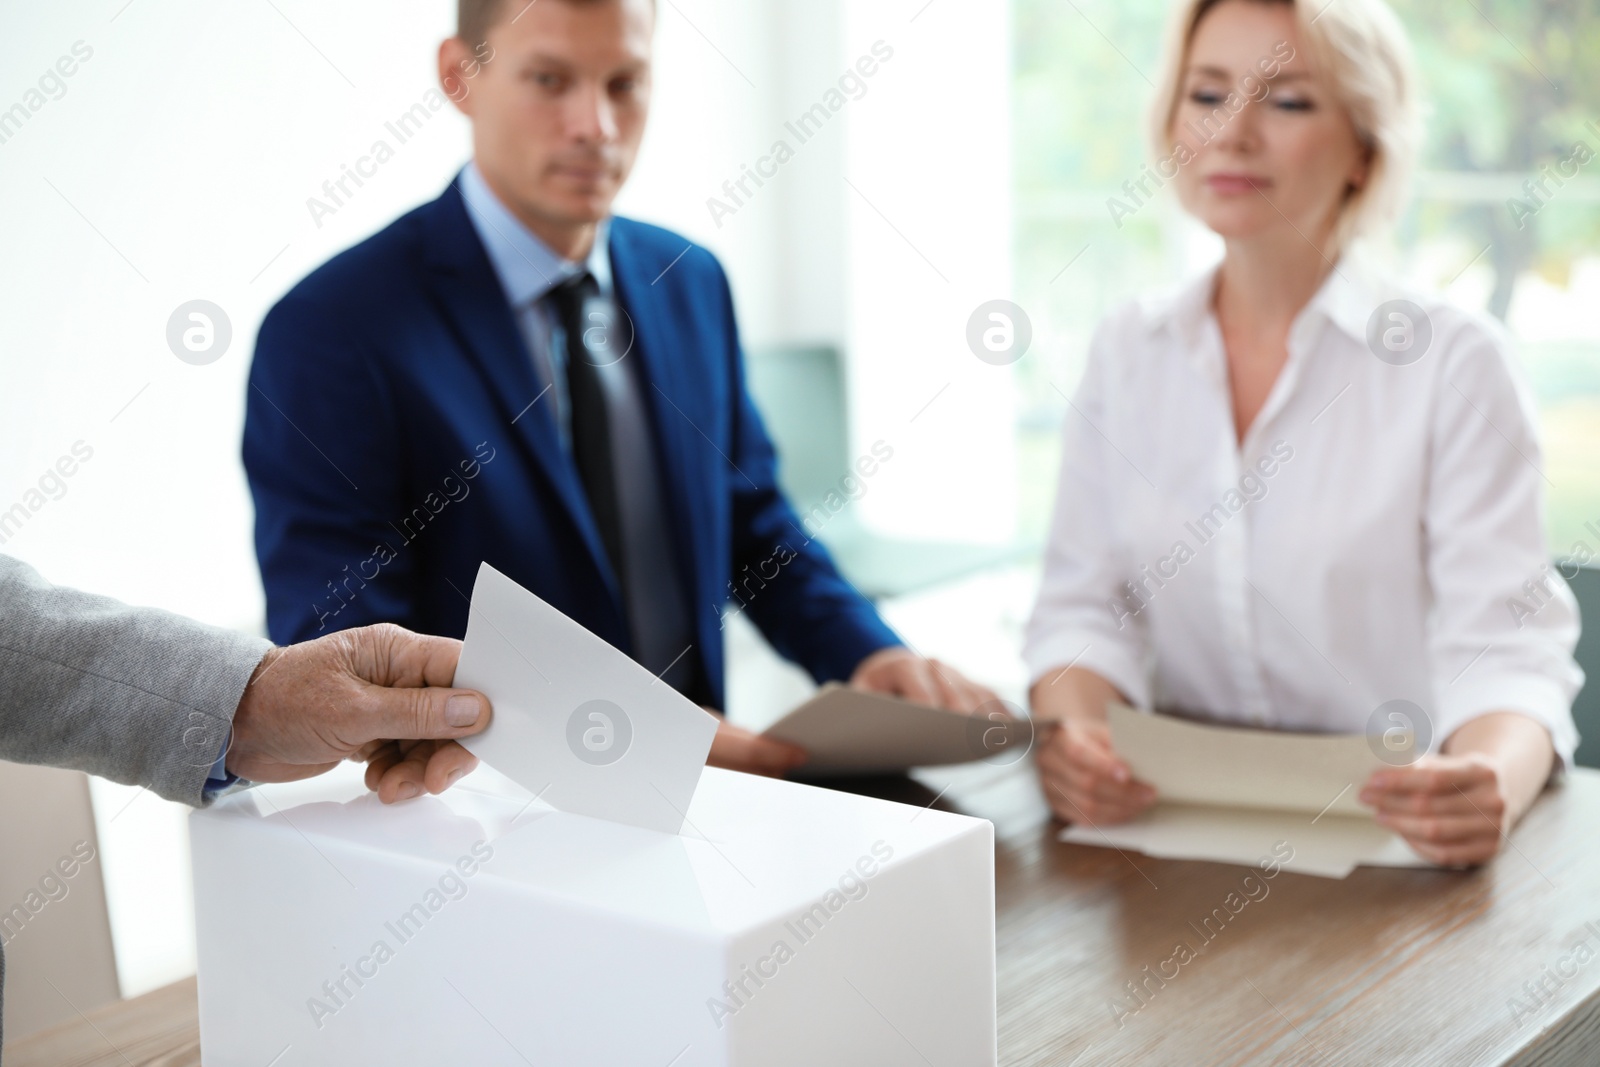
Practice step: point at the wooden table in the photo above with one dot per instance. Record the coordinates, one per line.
(160, 1029)
(1388, 966)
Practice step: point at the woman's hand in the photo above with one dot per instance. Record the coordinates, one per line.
(1083, 778)
(1450, 809)
(1457, 807)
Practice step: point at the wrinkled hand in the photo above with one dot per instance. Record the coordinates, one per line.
(1451, 810)
(378, 693)
(897, 671)
(736, 749)
(1083, 778)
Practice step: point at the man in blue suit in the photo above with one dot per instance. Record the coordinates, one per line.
(511, 374)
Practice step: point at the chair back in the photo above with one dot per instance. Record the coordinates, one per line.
(1586, 707)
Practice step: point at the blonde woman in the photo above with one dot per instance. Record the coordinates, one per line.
(1290, 493)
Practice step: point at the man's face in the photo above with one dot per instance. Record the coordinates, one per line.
(559, 105)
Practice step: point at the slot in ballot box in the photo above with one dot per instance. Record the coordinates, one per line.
(786, 924)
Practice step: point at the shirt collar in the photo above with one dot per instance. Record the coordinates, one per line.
(526, 267)
(1184, 308)
(1348, 296)
(1345, 298)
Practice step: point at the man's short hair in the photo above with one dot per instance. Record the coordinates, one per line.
(475, 18)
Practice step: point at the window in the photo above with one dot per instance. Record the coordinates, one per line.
(1513, 103)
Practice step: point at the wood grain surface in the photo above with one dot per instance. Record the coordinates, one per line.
(1384, 967)
(1387, 966)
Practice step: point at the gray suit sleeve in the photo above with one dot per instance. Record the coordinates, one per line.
(136, 695)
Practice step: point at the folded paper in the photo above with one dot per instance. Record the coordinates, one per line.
(1239, 767)
(846, 731)
(1233, 795)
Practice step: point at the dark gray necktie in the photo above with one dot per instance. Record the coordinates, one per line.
(590, 419)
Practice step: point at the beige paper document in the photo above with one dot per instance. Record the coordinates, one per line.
(846, 731)
(1237, 795)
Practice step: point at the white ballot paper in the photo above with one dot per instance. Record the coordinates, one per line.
(846, 731)
(580, 725)
(1238, 795)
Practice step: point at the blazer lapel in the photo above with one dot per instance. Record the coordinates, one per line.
(656, 346)
(477, 307)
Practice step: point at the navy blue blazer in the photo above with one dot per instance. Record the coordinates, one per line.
(393, 442)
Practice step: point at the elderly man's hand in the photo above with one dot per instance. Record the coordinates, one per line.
(378, 693)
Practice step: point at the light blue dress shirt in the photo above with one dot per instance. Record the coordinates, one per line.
(220, 778)
(528, 269)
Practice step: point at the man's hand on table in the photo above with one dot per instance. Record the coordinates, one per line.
(898, 672)
(378, 693)
(736, 749)
(893, 671)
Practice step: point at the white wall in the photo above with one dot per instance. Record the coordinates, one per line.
(929, 219)
(178, 163)
(881, 234)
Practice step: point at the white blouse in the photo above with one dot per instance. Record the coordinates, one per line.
(1377, 537)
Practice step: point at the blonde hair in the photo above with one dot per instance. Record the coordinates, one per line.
(1364, 52)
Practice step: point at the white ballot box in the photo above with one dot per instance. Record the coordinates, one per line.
(785, 925)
